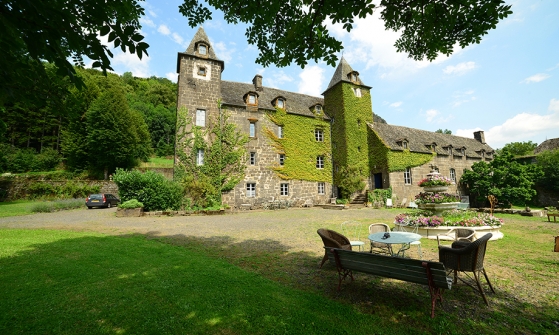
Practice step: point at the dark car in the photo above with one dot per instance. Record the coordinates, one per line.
(101, 200)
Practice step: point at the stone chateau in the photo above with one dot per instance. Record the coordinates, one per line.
(302, 147)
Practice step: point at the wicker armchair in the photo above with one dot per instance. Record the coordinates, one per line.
(381, 248)
(458, 234)
(467, 257)
(334, 240)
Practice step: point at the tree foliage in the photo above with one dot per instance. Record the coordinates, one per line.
(520, 148)
(296, 31)
(508, 180)
(446, 131)
(224, 162)
(57, 30)
(548, 161)
(349, 181)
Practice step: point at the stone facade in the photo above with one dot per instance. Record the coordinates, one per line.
(345, 114)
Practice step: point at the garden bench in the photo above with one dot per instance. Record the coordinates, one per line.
(555, 215)
(432, 274)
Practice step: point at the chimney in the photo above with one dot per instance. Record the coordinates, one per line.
(479, 136)
(257, 81)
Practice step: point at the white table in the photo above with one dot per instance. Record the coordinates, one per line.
(396, 237)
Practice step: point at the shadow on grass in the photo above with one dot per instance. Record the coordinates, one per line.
(82, 283)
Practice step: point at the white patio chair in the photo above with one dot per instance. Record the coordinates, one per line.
(352, 230)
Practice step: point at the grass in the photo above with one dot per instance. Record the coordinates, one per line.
(158, 162)
(26, 207)
(260, 280)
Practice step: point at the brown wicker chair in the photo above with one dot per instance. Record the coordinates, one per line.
(467, 257)
(334, 240)
(458, 234)
(381, 248)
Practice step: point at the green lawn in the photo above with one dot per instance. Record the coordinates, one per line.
(158, 162)
(16, 208)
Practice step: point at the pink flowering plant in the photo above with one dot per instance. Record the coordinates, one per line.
(451, 218)
(436, 180)
(435, 198)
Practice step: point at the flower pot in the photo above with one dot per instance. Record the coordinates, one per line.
(436, 188)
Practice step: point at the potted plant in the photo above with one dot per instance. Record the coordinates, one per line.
(129, 208)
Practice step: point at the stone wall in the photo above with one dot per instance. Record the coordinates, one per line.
(16, 188)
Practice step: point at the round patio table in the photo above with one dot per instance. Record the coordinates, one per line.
(396, 237)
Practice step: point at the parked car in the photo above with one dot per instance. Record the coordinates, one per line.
(101, 200)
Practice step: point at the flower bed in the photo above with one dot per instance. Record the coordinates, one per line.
(435, 198)
(435, 180)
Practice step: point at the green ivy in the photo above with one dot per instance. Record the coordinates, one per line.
(382, 158)
(300, 146)
(349, 129)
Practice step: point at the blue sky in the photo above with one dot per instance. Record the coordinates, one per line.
(508, 85)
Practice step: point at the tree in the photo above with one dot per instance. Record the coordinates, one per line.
(520, 148)
(508, 180)
(446, 131)
(548, 161)
(223, 150)
(57, 30)
(295, 31)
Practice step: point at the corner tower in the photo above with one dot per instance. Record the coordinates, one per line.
(199, 81)
(348, 103)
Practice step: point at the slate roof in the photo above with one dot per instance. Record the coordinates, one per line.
(341, 73)
(200, 36)
(233, 93)
(419, 139)
(547, 145)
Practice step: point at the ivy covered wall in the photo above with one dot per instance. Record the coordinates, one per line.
(300, 146)
(382, 159)
(349, 127)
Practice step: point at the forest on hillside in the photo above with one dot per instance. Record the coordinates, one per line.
(111, 121)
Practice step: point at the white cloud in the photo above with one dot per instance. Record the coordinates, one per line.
(163, 29)
(521, 127)
(223, 52)
(177, 38)
(312, 78)
(536, 78)
(396, 104)
(460, 68)
(431, 114)
(277, 79)
(147, 22)
(124, 62)
(172, 76)
(463, 97)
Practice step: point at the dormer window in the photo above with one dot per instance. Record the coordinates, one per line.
(280, 103)
(251, 99)
(405, 144)
(449, 150)
(202, 49)
(318, 109)
(353, 77)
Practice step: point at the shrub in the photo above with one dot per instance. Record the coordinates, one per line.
(150, 188)
(51, 206)
(38, 190)
(132, 203)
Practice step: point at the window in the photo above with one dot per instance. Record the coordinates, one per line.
(202, 71)
(280, 103)
(200, 118)
(202, 49)
(280, 131)
(407, 176)
(358, 122)
(320, 162)
(251, 190)
(453, 175)
(449, 151)
(321, 188)
(281, 159)
(251, 100)
(353, 76)
(357, 92)
(405, 145)
(253, 158)
(319, 135)
(200, 157)
(252, 130)
(318, 109)
(284, 189)
(359, 148)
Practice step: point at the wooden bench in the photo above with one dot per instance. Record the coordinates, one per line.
(432, 274)
(554, 216)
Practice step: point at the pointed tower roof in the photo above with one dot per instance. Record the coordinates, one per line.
(341, 75)
(200, 37)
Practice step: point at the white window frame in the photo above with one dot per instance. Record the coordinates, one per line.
(453, 175)
(319, 135)
(251, 99)
(280, 103)
(284, 189)
(252, 158)
(321, 187)
(318, 109)
(282, 159)
(280, 131)
(407, 176)
(357, 92)
(205, 48)
(320, 162)
(252, 129)
(405, 144)
(201, 117)
(251, 190)
(200, 157)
